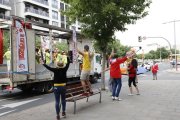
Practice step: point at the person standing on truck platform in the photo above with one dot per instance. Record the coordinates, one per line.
(47, 56)
(86, 68)
(7, 56)
(60, 81)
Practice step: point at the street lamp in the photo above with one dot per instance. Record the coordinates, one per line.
(174, 21)
(144, 38)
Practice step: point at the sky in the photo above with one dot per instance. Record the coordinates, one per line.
(160, 11)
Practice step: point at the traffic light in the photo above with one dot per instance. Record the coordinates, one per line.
(139, 39)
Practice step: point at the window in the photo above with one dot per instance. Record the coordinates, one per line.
(55, 15)
(62, 6)
(54, 3)
(62, 18)
(54, 23)
(62, 25)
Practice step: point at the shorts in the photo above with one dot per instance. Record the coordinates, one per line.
(85, 75)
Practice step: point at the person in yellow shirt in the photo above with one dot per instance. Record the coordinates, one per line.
(48, 58)
(64, 57)
(86, 68)
(7, 56)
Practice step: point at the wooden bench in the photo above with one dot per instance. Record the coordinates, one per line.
(74, 92)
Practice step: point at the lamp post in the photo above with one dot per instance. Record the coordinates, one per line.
(174, 22)
(144, 38)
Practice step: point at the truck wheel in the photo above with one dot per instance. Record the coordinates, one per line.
(48, 87)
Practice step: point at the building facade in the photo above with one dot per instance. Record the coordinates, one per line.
(5, 10)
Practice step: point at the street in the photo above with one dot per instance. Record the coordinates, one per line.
(17, 101)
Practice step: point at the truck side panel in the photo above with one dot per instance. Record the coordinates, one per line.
(15, 77)
(31, 52)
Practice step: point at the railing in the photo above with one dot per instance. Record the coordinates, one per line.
(5, 2)
(42, 2)
(39, 12)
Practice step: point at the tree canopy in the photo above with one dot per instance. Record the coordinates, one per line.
(101, 18)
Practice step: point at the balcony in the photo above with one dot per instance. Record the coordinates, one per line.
(5, 2)
(42, 2)
(38, 12)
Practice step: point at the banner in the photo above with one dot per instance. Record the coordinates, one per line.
(1, 46)
(22, 58)
(74, 44)
(45, 42)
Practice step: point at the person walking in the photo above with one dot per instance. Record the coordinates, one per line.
(86, 68)
(60, 80)
(132, 73)
(154, 70)
(115, 74)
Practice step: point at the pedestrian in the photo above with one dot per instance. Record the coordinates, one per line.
(154, 70)
(60, 80)
(132, 73)
(115, 74)
(86, 68)
(47, 56)
(7, 56)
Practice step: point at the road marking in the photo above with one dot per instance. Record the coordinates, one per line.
(13, 105)
(6, 99)
(2, 107)
(1, 114)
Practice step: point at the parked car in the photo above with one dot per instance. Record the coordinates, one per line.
(140, 70)
(147, 65)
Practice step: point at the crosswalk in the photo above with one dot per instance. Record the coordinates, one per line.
(12, 107)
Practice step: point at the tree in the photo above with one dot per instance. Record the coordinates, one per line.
(101, 18)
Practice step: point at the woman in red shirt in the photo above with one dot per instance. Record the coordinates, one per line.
(154, 70)
(132, 70)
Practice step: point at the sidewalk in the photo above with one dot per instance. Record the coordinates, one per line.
(159, 100)
(173, 70)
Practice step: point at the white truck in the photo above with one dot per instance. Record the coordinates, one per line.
(37, 76)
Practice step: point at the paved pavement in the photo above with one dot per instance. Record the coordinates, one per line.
(173, 70)
(159, 100)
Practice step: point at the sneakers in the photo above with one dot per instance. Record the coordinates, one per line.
(130, 94)
(118, 99)
(64, 114)
(113, 98)
(58, 117)
(138, 94)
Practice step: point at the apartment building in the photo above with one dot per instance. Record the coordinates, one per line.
(43, 11)
(5, 9)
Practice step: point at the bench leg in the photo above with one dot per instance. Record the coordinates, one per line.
(74, 107)
(87, 99)
(100, 97)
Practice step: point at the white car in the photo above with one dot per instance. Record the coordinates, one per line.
(148, 66)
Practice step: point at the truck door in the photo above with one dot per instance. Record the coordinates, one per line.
(23, 52)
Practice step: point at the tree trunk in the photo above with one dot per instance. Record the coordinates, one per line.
(103, 73)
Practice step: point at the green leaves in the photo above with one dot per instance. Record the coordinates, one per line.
(101, 18)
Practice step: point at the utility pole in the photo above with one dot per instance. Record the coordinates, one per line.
(174, 22)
